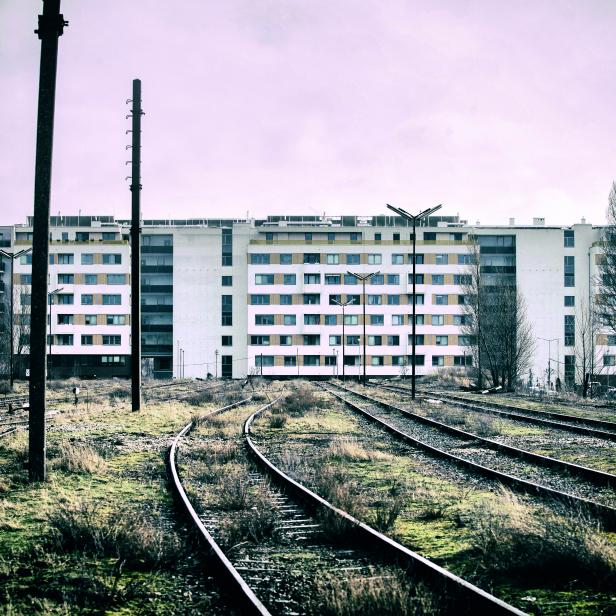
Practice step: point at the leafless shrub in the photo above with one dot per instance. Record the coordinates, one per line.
(484, 426)
(232, 492)
(200, 398)
(302, 400)
(215, 452)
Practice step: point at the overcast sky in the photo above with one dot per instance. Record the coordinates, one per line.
(494, 108)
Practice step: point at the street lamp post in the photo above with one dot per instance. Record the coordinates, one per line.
(363, 278)
(549, 341)
(50, 295)
(343, 305)
(12, 256)
(414, 219)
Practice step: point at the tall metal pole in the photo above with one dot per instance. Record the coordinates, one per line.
(50, 26)
(413, 327)
(12, 330)
(135, 238)
(414, 219)
(363, 278)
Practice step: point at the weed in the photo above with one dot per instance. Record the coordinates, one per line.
(233, 491)
(200, 398)
(301, 400)
(387, 510)
(383, 593)
(79, 458)
(215, 452)
(540, 544)
(125, 534)
(484, 426)
(278, 420)
(256, 523)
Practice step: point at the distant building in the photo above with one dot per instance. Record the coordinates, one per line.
(234, 296)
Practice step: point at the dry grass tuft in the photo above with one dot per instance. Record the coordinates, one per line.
(384, 593)
(301, 400)
(278, 421)
(79, 458)
(125, 534)
(540, 544)
(348, 449)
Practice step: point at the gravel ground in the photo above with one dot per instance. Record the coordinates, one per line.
(473, 450)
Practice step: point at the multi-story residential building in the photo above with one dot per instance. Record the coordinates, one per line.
(230, 297)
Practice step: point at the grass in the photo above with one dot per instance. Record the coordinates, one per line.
(383, 593)
(99, 535)
(539, 544)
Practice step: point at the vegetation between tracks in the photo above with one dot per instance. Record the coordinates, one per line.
(483, 536)
(99, 536)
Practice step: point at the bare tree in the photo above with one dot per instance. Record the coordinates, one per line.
(496, 327)
(587, 355)
(606, 299)
(21, 328)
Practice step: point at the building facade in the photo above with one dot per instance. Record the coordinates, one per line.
(233, 297)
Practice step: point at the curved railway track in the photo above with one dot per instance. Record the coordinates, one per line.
(250, 580)
(519, 469)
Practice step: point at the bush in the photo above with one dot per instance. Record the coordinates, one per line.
(200, 398)
(5, 387)
(233, 491)
(303, 399)
(539, 544)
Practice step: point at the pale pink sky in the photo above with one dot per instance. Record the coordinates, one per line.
(495, 108)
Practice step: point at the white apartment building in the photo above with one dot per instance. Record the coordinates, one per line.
(230, 297)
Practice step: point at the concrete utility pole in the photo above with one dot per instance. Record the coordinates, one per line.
(414, 219)
(363, 278)
(135, 241)
(50, 27)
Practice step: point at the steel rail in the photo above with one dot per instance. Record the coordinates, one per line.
(587, 421)
(471, 599)
(605, 513)
(600, 478)
(237, 588)
(576, 425)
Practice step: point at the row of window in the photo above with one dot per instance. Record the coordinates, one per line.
(377, 279)
(355, 258)
(355, 360)
(354, 236)
(87, 279)
(86, 299)
(308, 299)
(92, 319)
(86, 340)
(68, 258)
(353, 319)
(354, 340)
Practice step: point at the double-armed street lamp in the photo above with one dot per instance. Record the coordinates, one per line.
(414, 219)
(12, 256)
(363, 278)
(343, 305)
(549, 341)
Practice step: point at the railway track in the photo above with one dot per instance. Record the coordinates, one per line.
(519, 469)
(587, 426)
(261, 579)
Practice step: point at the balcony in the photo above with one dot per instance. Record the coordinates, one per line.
(157, 269)
(156, 327)
(156, 308)
(157, 288)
